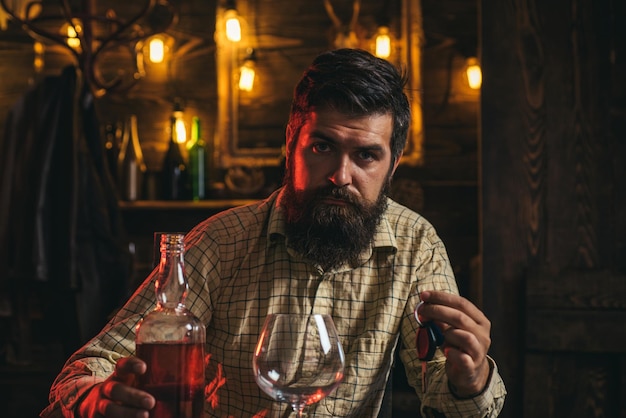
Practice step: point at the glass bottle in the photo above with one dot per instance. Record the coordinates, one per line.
(130, 163)
(111, 148)
(174, 172)
(170, 339)
(197, 161)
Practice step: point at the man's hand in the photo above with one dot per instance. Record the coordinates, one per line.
(116, 396)
(467, 339)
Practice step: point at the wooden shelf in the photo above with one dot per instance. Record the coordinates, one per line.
(217, 204)
(143, 217)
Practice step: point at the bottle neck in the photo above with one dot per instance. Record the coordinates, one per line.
(173, 130)
(196, 131)
(171, 284)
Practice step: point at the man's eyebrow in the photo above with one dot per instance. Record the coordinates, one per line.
(323, 137)
(373, 147)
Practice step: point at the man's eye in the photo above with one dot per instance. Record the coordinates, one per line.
(321, 147)
(366, 155)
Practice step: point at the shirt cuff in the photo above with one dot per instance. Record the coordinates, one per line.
(489, 400)
(82, 386)
(452, 390)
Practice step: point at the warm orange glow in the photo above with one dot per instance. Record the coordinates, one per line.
(71, 32)
(180, 131)
(246, 78)
(316, 397)
(157, 49)
(38, 60)
(383, 42)
(259, 345)
(233, 26)
(473, 73)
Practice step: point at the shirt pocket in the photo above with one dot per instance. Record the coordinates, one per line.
(366, 369)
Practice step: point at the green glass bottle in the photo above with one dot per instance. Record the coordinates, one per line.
(197, 161)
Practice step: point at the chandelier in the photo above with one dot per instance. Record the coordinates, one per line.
(93, 32)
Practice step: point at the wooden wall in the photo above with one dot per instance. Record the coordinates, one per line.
(553, 166)
(550, 209)
(444, 188)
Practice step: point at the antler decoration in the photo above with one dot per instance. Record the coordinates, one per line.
(344, 36)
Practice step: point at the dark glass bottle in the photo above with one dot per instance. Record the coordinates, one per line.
(130, 164)
(197, 161)
(170, 339)
(111, 148)
(174, 175)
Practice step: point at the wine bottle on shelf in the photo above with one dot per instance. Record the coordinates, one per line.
(170, 339)
(174, 174)
(131, 167)
(111, 149)
(197, 161)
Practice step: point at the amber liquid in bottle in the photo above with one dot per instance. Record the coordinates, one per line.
(175, 378)
(171, 340)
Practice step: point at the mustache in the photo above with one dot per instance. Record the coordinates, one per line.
(340, 193)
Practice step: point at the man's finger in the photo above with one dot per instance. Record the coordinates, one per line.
(456, 302)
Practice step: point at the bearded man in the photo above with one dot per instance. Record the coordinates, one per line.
(330, 241)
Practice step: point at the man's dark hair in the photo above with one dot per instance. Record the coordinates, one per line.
(357, 83)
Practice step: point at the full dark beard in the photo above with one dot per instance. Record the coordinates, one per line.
(331, 235)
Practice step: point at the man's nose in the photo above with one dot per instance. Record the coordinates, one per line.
(341, 174)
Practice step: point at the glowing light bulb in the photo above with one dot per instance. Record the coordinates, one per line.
(246, 78)
(157, 49)
(72, 35)
(383, 42)
(233, 26)
(38, 60)
(474, 73)
(180, 131)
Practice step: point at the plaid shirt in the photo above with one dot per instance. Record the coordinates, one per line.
(240, 269)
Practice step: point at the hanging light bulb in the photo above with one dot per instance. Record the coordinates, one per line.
(71, 32)
(383, 42)
(473, 73)
(38, 60)
(156, 48)
(180, 131)
(247, 72)
(233, 24)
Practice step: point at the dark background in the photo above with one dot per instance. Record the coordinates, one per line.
(524, 180)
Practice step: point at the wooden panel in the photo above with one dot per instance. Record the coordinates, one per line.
(576, 311)
(576, 330)
(449, 171)
(552, 171)
(573, 386)
(577, 290)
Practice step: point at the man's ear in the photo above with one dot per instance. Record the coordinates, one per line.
(396, 163)
(288, 139)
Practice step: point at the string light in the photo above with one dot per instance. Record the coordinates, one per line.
(180, 131)
(383, 42)
(247, 72)
(473, 73)
(71, 32)
(38, 60)
(156, 48)
(233, 25)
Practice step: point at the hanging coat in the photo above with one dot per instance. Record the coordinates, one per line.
(59, 218)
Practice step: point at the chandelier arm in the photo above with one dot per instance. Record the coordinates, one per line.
(33, 31)
(90, 51)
